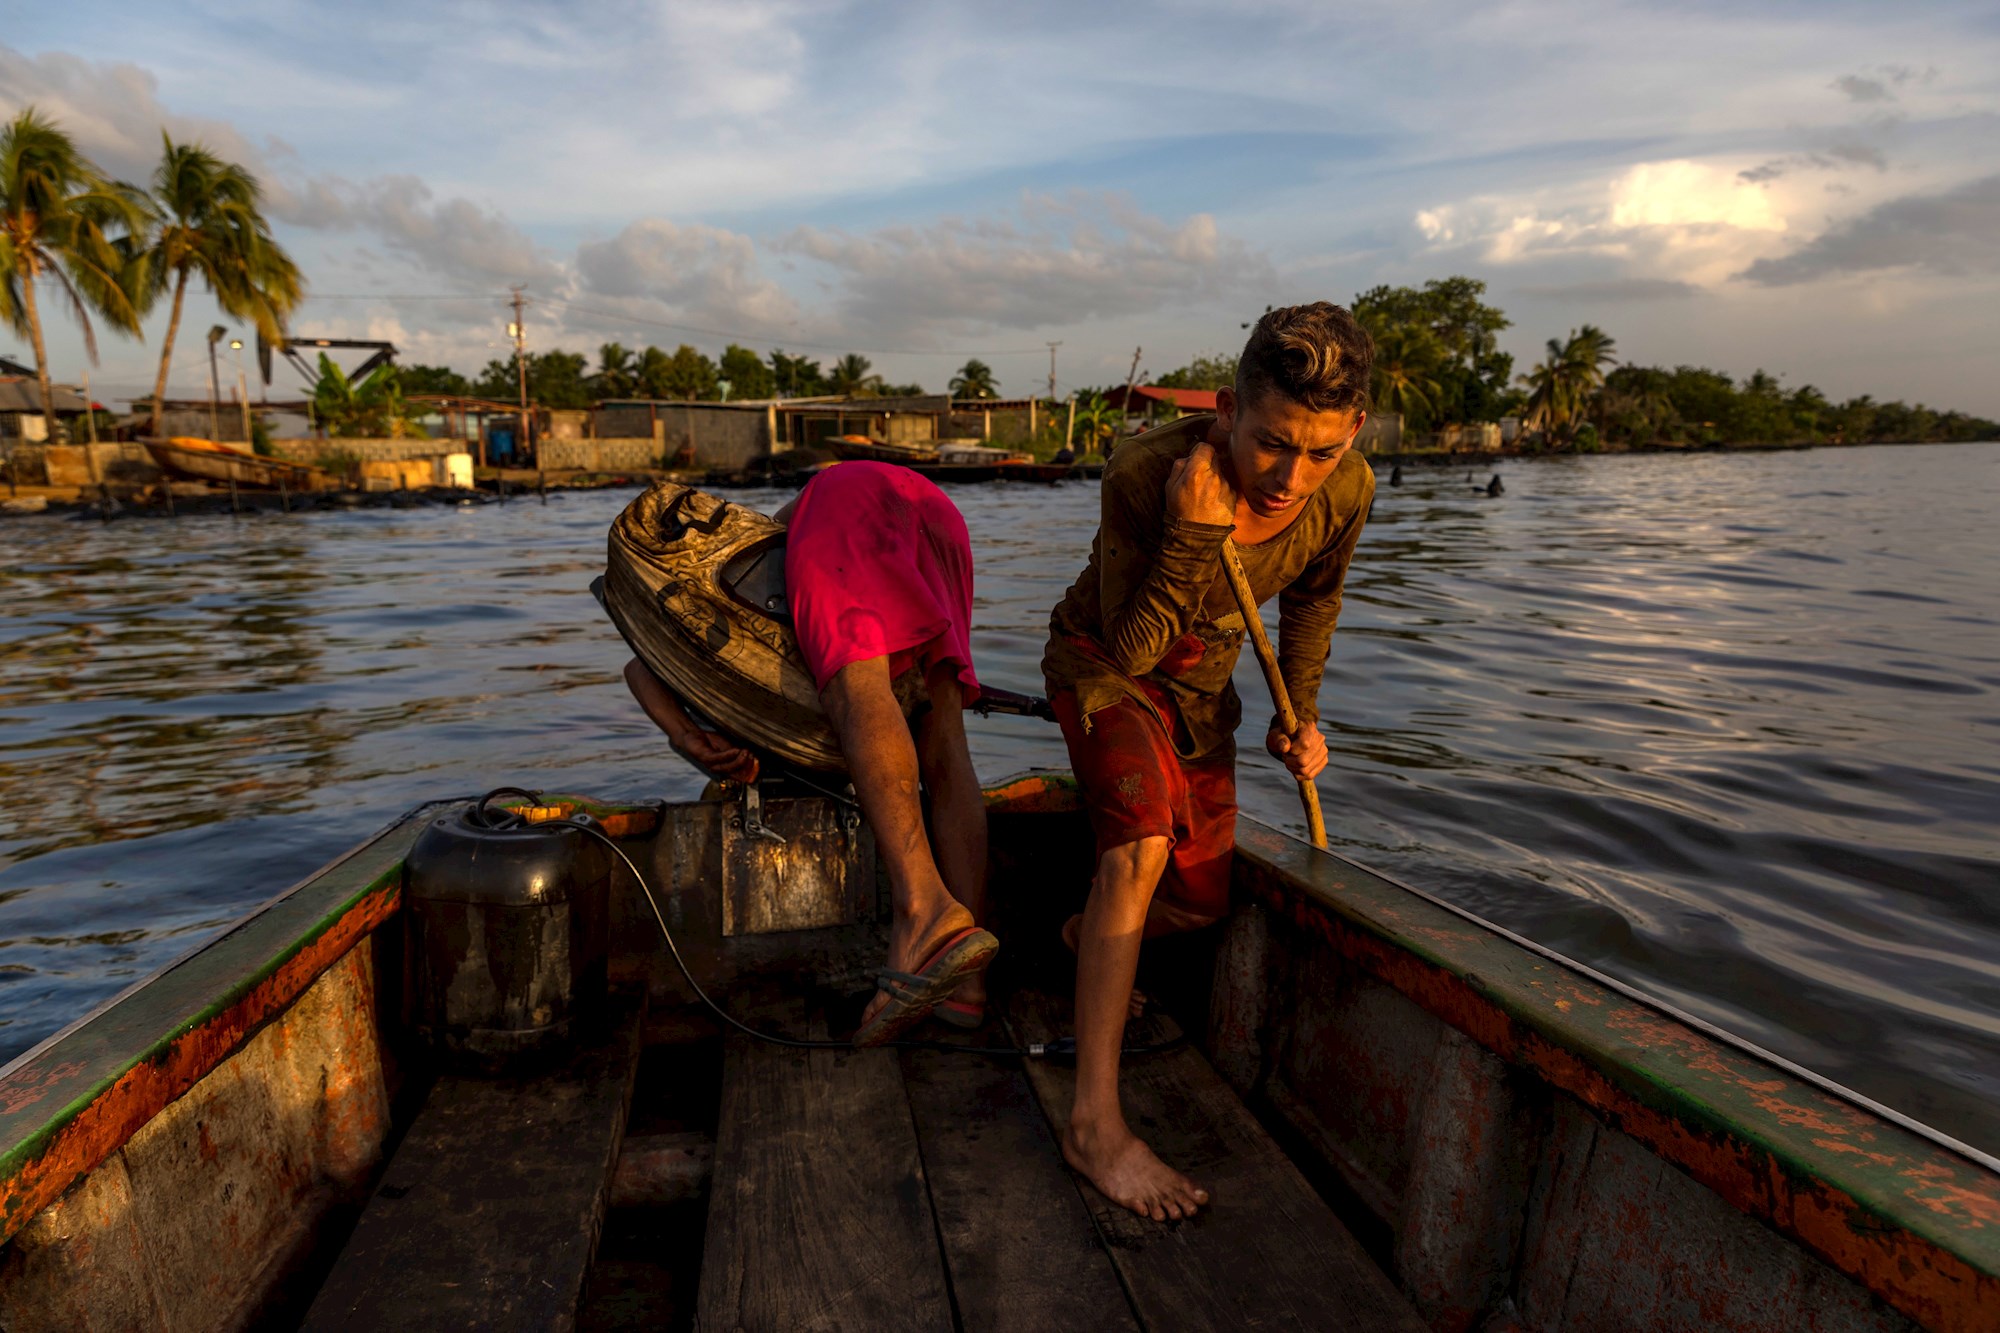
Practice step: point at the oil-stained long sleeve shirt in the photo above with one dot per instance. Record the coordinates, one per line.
(1152, 602)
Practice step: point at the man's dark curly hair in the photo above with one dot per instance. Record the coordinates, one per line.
(1317, 355)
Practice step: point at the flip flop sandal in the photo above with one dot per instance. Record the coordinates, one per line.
(962, 1014)
(913, 995)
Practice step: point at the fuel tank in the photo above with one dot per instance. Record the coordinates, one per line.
(508, 927)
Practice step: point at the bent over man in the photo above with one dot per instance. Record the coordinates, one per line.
(878, 570)
(1138, 666)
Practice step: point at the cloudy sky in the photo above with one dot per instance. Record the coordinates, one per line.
(1812, 189)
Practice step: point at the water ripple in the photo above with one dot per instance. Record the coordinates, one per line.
(1725, 727)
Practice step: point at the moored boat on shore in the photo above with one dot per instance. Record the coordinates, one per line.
(852, 448)
(207, 460)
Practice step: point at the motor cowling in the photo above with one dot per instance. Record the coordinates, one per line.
(508, 930)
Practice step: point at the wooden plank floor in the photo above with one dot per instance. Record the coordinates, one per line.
(872, 1190)
(487, 1216)
(1267, 1252)
(819, 1216)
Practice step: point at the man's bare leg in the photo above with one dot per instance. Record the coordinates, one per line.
(958, 805)
(1162, 918)
(1098, 1142)
(882, 760)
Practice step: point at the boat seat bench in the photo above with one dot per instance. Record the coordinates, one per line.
(920, 1190)
(487, 1216)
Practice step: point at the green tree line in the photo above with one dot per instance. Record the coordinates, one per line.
(563, 379)
(1437, 364)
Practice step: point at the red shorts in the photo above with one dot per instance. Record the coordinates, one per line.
(1135, 786)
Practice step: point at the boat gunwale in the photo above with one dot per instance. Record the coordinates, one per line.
(41, 1157)
(1905, 1211)
(248, 980)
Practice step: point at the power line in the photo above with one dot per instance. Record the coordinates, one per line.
(736, 335)
(796, 342)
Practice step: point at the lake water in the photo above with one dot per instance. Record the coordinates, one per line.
(1724, 726)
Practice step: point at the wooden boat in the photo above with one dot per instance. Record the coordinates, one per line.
(207, 460)
(1408, 1119)
(849, 448)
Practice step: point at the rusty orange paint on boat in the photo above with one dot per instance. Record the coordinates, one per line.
(1034, 794)
(1921, 1277)
(111, 1116)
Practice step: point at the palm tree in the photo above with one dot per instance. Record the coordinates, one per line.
(211, 224)
(1549, 393)
(1589, 350)
(851, 375)
(1562, 388)
(1406, 358)
(974, 380)
(617, 372)
(58, 216)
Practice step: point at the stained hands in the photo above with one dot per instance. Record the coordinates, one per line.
(1303, 751)
(1198, 491)
(717, 754)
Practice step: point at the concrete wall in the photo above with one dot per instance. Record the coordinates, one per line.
(1466, 436)
(1382, 433)
(600, 455)
(1009, 426)
(85, 464)
(369, 450)
(723, 436)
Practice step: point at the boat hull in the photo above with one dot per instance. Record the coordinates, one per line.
(1523, 1144)
(876, 452)
(223, 467)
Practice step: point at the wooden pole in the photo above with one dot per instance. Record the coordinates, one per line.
(1069, 427)
(1246, 602)
(1125, 408)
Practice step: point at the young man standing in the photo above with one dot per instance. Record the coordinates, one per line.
(1139, 660)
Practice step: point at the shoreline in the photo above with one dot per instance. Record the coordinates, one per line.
(511, 485)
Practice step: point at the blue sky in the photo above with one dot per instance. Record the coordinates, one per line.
(1810, 189)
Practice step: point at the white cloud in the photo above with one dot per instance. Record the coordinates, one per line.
(1052, 261)
(703, 275)
(113, 112)
(1678, 221)
(453, 239)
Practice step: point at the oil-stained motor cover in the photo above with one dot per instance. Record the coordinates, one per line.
(695, 584)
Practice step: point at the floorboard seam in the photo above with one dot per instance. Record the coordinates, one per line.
(930, 1197)
(1079, 1185)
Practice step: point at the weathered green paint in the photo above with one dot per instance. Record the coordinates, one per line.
(46, 1090)
(1913, 1221)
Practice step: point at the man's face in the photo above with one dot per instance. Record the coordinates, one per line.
(1282, 452)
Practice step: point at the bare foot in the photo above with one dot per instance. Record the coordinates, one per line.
(912, 941)
(1071, 932)
(1126, 1172)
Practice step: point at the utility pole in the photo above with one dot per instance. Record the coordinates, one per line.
(1131, 377)
(215, 335)
(518, 331)
(1052, 370)
(242, 386)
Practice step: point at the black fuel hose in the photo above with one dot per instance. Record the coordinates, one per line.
(1061, 1048)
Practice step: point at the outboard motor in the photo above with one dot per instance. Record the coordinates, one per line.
(508, 933)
